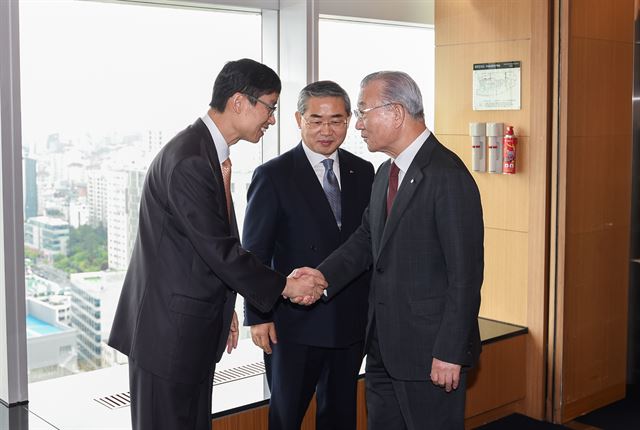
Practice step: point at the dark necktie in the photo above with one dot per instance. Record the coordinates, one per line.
(393, 186)
(332, 190)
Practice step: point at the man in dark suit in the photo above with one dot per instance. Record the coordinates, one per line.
(423, 234)
(301, 206)
(176, 305)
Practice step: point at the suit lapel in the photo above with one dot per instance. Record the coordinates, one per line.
(234, 222)
(348, 193)
(212, 155)
(310, 189)
(410, 183)
(378, 205)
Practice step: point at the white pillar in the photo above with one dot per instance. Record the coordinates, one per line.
(298, 61)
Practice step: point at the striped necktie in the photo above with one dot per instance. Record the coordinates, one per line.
(332, 190)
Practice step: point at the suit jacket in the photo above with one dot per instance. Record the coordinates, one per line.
(178, 295)
(427, 261)
(289, 224)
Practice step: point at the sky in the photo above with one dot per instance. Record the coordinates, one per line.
(92, 66)
(98, 67)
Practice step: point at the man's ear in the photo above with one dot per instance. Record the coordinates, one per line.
(399, 114)
(299, 119)
(235, 102)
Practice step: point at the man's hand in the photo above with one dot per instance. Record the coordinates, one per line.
(301, 271)
(446, 375)
(263, 335)
(304, 286)
(232, 340)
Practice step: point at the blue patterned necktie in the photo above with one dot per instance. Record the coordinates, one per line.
(332, 190)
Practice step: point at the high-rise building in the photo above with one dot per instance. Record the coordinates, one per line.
(47, 235)
(155, 141)
(94, 297)
(78, 212)
(29, 188)
(124, 189)
(97, 196)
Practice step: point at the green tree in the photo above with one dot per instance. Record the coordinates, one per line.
(86, 250)
(31, 254)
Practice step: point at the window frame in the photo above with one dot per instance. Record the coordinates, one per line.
(13, 338)
(277, 17)
(13, 346)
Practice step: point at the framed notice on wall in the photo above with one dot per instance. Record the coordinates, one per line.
(496, 86)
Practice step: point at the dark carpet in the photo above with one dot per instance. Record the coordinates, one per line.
(520, 422)
(621, 415)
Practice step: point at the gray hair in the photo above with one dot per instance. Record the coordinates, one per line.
(400, 88)
(322, 89)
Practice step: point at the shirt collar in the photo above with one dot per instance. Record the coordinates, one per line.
(221, 144)
(315, 158)
(405, 158)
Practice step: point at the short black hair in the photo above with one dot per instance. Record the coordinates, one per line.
(243, 76)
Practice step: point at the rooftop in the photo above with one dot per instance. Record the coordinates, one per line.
(37, 328)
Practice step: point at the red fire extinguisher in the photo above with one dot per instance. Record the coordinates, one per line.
(509, 143)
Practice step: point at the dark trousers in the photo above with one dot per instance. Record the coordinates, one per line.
(296, 371)
(393, 404)
(159, 404)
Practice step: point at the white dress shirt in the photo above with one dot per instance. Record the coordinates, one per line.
(405, 158)
(222, 148)
(316, 159)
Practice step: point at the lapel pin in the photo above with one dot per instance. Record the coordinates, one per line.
(350, 171)
(412, 180)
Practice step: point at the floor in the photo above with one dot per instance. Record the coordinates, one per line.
(621, 415)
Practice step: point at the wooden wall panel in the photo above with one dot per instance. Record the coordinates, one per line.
(539, 161)
(599, 92)
(505, 198)
(454, 68)
(504, 293)
(499, 378)
(595, 313)
(362, 407)
(515, 208)
(473, 21)
(598, 170)
(252, 419)
(596, 19)
(594, 200)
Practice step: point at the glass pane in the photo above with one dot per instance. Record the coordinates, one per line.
(104, 86)
(350, 50)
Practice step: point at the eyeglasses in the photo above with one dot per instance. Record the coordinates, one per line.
(270, 108)
(360, 113)
(334, 124)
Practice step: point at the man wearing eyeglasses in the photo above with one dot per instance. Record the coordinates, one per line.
(175, 315)
(301, 206)
(423, 233)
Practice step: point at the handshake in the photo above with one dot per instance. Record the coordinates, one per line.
(304, 286)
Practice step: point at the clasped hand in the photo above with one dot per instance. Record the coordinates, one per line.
(304, 286)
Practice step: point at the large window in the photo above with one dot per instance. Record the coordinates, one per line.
(104, 87)
(375, 46)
